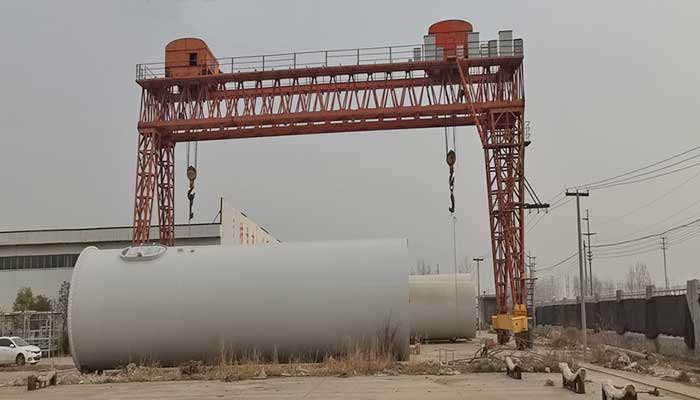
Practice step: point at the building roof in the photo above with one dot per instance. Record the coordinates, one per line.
(97, 235)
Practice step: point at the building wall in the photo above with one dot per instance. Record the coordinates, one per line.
(48, 280)
(238, 229)
(39, 258)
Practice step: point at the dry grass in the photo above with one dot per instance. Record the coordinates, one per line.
(350, 365)
(35, 367)
(375, 358)
(683, 377)
(563, 339)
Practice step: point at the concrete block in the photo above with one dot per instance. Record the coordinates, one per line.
(649, 292)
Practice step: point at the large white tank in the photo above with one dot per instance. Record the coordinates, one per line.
(191, 303)
(440, 309)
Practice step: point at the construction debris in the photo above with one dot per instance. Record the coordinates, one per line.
(512, 369)
(574, 381)
(631, 353)
(611, 392)
(623, 359)
(35, 382)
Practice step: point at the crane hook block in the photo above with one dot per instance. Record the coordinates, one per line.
(191, 173)
(451, 158)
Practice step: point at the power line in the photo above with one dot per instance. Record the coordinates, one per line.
(664, 195)
(638, 169)
(537, 221)
(650, 243)
(683, 233)
(648, 172)
(666, 219)
(631, 180)
(693, 222)
(621, 183)
(558, 263)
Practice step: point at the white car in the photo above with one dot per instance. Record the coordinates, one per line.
(14, 350)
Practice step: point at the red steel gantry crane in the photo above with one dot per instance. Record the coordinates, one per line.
(452, 79)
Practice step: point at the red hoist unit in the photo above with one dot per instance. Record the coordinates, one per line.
(451, 79)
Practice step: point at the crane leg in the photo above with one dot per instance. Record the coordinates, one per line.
(146, 170)
(503, 142)
(155, 171)
(166, 192)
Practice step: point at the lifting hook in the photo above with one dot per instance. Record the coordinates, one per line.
(191, 176)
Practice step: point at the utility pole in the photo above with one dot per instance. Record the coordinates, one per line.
(664, 246)
(582, 283)
(585, 268)
(478, 291)
(590, 249)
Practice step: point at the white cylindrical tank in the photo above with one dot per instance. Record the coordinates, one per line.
(440, 309)
(176, 304)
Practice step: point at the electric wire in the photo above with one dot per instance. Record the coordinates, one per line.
(674, 236)
(691, 223)
(557, 264)
(645, 205)
(651, 245)
(537, 221)
(622, 183)
(665, 221)
(607, 180)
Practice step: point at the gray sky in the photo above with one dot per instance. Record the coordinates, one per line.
(610, 86)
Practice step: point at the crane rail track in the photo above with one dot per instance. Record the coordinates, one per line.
(663, 390)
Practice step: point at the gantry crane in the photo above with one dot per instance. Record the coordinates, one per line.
(451, 79)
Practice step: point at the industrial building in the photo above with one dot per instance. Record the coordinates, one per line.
(42, 259)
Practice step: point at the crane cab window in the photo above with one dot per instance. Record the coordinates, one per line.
(193, 59)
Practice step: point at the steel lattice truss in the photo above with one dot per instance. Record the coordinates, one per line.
(485, 92)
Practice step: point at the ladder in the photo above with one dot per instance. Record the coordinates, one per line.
(530, 299)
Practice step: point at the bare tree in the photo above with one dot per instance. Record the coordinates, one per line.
(638, 278)
(547, 288)
(604, 288)
(466, 266)
(422, 268)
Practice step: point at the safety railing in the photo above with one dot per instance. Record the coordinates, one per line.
(328, 58)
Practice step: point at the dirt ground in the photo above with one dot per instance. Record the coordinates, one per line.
(487, 386)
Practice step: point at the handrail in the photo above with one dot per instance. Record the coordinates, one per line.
(338, 57)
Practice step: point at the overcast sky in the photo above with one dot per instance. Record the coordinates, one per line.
(610, 86)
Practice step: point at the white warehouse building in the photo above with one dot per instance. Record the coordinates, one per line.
(43, 259)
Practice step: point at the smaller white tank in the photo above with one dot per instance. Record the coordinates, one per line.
(442, 307)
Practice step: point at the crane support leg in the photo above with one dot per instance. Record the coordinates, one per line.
(504, 146)
(166, 192)
(155, 169)
(502, 133)
(146, 171)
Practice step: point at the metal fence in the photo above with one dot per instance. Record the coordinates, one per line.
(359, 56)
(43, 329)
